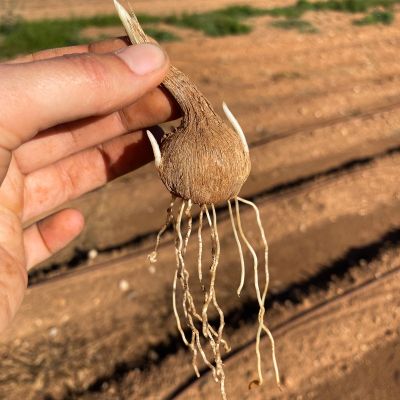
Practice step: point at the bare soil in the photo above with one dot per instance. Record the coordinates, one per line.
(34, 9)
(322, 115)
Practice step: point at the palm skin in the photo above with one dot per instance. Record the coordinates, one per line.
(71, 120)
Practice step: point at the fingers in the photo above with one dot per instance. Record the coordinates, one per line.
(104, 46)
(13, 275)
(48, 53)
(42, 94)
(50, 235)
(13, 282)
(40, 241)
(57, 143)
(70, 178)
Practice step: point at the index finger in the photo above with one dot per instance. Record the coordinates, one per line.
(41, 94)
(102, 46)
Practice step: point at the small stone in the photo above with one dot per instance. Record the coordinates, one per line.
(93, 254)
(339, 291)
(53, 332)
(124, 285)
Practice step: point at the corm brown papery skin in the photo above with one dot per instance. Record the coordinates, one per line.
(203, 160)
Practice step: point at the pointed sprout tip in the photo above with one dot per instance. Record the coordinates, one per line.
(236, 126)
(156, 148)
(127, 21)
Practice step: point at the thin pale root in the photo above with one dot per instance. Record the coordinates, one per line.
(170, 218)
(239, 245)
(260, 298)
(214, 336)
(200, 240)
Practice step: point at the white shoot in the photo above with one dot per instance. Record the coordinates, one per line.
(156, 149)
(126, 20)
(236, 126)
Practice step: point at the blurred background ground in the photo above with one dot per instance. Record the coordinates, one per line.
(315, 86)
(33, 9)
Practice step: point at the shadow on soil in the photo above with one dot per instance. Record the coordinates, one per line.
(40, 275)
(247, 313)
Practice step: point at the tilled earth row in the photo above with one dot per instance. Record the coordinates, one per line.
(321, 113)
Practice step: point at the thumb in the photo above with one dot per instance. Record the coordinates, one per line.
(38, 95)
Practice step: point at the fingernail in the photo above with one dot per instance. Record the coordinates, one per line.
(143, 59)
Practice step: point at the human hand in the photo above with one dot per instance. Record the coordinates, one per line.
(70, 121)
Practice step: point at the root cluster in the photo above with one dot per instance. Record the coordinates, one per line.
(196, 318)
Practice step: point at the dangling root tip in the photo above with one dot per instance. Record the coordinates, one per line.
(256, 382)
(152, 257)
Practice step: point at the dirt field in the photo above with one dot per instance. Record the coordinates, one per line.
(322, 115)
(34, 9)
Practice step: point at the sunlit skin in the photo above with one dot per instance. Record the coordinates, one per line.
(71, 120)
